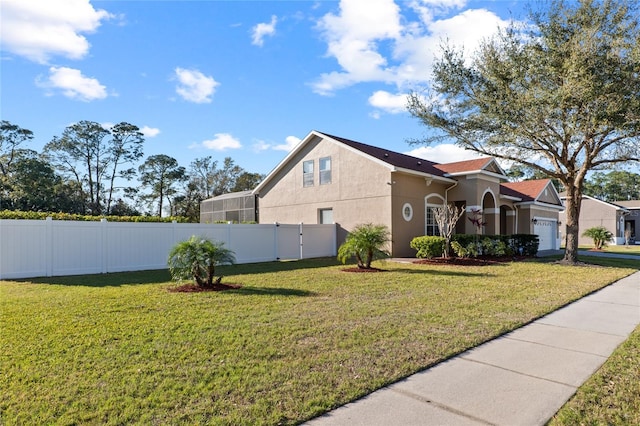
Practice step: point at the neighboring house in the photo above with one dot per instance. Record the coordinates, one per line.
(233, 207)
(329, 179)
(615, 216)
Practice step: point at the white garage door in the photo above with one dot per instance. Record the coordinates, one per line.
(545, 229)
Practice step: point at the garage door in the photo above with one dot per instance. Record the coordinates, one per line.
(545, 229)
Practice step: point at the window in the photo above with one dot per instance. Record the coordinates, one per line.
(430, 225)
(325, 216)
(407, 212)
(307, 173)
(325, 170)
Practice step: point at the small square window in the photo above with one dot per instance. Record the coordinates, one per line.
(325, 216)
(325, 170)
(307, 173)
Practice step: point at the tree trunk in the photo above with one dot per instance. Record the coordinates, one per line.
(572, 208)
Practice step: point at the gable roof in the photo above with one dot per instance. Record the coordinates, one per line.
(393, 158)
(618, 205)
(394, 161)
(528, 190)
(629, 204)
(466, 166)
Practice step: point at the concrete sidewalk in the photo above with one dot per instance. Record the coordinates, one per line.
(522, 378)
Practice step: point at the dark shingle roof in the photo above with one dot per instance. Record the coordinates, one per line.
(391, 157)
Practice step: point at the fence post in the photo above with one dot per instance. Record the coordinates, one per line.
(105, 246)
(276, 253)
(48, 238)
(301, 240)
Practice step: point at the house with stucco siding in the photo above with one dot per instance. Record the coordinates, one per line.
(330, 179)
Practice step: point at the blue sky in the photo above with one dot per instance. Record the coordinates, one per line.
(244, 79)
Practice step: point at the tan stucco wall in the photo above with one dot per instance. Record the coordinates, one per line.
(471, 190)
(359, 192)
(413, 190)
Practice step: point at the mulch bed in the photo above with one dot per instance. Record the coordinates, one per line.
(194, 288)
(471, 261)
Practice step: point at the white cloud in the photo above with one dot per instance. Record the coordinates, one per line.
(352, 38)
(444, 153)
(388, 102)
(289, 143)
(73, 84)
(375, 41)
(39, 30)
(150, 132)
(221, 142)
(260, 146)
(194, 86)
(262, 30)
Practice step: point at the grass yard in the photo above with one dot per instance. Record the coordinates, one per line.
(612, 395)
(633, 250)
(298, 339)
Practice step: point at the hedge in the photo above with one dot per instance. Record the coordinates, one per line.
(500, 245)
(14, 214)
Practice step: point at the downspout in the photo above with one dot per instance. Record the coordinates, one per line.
(446, 193)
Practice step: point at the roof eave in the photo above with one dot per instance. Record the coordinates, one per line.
(423, 174)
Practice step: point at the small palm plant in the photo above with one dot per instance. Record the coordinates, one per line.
(600, 236)
(197, 258)
(366, 242)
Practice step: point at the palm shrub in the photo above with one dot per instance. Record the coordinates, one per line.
(600, 236)
(197, 258)
(366, 242)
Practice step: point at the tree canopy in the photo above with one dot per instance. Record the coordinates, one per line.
(560, 95)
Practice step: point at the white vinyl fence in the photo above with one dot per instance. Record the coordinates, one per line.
(38, 248)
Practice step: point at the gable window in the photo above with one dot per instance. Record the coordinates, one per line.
(307, 173)
(325, 170)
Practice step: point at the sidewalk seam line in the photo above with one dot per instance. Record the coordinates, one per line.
(440, 405)
(556, 347)
(525, 374)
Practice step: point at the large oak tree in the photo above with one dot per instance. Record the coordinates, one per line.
(560, 95)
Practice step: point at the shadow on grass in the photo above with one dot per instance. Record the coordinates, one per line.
(115, 279)
(441, 272)
(271, 291)
(281, 266)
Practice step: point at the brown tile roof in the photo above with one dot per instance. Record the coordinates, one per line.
(464, 166)
(528, 190)
(390, 157)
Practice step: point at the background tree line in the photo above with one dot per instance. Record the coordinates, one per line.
(91, 169)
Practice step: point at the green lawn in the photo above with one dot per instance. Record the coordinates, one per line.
(612, 395)
(298, 339)
(634, 249)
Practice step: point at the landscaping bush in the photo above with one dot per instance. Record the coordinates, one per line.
(469, 245)
(600, 236)
(464, 251)
(197, 259)
(366, 243)
(428, 246)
